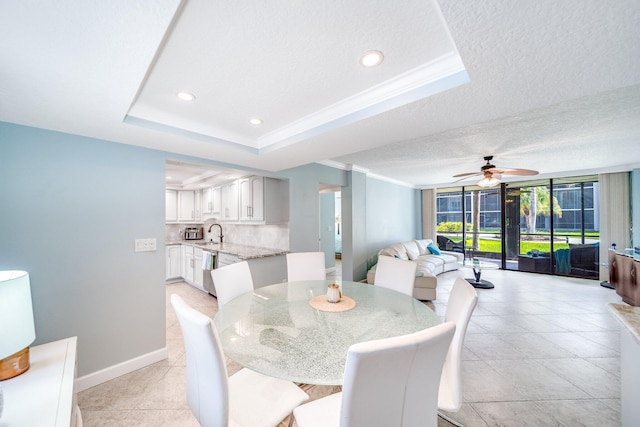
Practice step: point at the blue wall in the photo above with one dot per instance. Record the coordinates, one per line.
(71, 209)
(394, 214)
(328, 228)
(375, 214)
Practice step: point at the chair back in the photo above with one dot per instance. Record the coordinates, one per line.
(390, 382)
(397, 274)
(306, 266)
(462, 302)
(231, 281)
(207, 384)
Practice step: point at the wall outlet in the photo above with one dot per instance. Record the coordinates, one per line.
(145, 245)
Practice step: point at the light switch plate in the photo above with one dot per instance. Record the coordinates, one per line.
(145, 245)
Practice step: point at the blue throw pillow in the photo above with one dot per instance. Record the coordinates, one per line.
(433, 249)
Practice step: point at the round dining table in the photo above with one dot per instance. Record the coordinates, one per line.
(289, 331)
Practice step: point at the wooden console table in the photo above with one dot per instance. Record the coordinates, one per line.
(44, 395)
(624, 275)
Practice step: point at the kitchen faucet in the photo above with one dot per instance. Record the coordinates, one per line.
(221, 236)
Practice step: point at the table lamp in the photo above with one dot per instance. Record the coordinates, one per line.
(17, 329)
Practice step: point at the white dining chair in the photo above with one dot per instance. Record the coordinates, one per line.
(232, 280)
(462, 301)
(306, 266)
(246, 398)
(388, 382)
(397, 274)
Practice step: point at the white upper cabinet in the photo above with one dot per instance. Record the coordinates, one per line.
(206, 201)
(197, 210)
(263, 200)
(251, 198)
(229, 202)
(186, 206)
(171, 206)
(211, 202)
(215, 201)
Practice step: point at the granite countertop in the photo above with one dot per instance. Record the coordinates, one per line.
(629, 316)
(241, 251)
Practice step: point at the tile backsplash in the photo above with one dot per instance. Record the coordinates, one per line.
(266, 236)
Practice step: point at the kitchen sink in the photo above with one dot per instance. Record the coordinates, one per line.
(208, 244)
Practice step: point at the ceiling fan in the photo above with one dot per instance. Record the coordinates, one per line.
(491, 175)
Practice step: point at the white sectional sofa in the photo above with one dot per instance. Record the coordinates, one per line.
(429, 264)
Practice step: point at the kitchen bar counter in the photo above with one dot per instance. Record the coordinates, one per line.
(629, 317)
(243, 252)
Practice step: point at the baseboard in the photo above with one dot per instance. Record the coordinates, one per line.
(90, 380)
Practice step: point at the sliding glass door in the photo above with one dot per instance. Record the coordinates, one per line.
(483, 223)
(530, 242)
(576, 228)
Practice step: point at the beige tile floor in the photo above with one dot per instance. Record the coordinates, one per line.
(540, 351)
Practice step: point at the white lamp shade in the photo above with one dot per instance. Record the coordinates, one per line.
(17, 329)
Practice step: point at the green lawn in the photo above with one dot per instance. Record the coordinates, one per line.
(489, 245)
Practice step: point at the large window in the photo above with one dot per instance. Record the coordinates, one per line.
(552, 226)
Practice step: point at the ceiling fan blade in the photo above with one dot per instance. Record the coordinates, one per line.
(467, 176)
(519, 172)
(460, 175)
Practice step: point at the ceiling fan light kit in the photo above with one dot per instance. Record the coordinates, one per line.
(488, 182)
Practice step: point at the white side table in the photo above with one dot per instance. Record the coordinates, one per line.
(44, 395)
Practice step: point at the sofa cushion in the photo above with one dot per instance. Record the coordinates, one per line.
(412, 249)
(422, 246)
(396, 250)
(432, 264)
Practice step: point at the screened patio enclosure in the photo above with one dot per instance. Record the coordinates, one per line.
(544, 226)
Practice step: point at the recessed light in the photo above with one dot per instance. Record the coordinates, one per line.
(186, 96)
(371, 58)
(255, 121)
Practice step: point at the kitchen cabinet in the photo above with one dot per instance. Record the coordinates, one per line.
(171, 206)
(215, 201)
(207, 205)
(192, 266)
(264, 270)
(251, 194)
(197, 210)
(186, 206)
(187, 263)
(229, 202)
(226, 259)
(211, 203)
(173, 262)
(268, 270)
(263, 200)
(198, 272)
(183, 206)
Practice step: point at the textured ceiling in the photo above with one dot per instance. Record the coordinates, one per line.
(552, 86)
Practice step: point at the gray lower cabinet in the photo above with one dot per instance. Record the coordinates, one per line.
(264, 271)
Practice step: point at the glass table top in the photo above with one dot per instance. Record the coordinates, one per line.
(275, 331)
